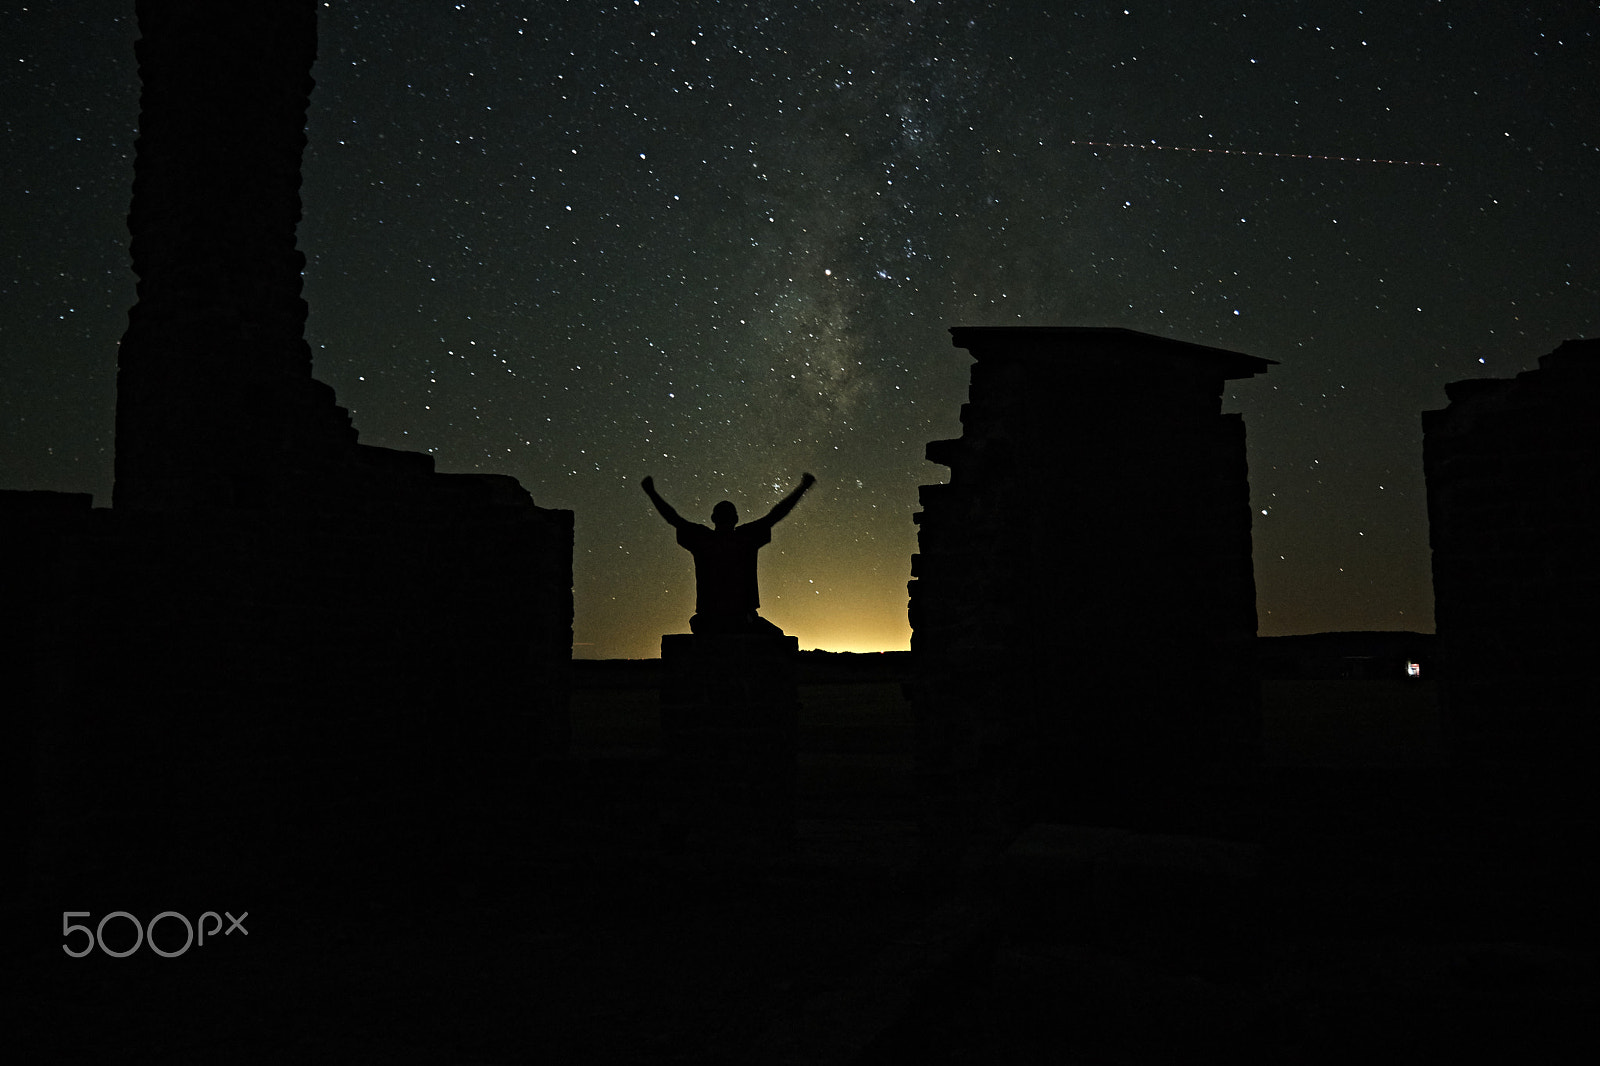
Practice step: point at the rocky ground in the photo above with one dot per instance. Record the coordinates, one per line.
(1322, 914)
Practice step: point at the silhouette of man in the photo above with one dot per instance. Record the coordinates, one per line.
(725, 591)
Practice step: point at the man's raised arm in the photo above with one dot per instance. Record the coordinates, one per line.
(785, 505)
(678, 521)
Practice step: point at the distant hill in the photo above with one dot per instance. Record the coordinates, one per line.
(843, 667)
(813, 668)
(1358, 655)
(1370, 655)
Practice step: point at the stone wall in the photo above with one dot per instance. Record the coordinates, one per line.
(1513, 474)
(1083, 602)
(273, 618)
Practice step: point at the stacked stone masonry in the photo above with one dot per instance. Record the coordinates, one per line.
(1083, 602)
(273, 617)
(215, 398)
(1513, 476)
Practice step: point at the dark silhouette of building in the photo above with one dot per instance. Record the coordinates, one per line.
(1513, 473)
(1083, 602)
(273, 617)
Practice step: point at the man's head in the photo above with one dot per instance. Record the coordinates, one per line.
(724, 515)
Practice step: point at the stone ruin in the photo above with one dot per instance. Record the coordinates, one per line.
(729, 739)
(1513, 476)
(273, 616)
(1083, 598)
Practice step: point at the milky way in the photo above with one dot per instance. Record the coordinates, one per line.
(721, 244)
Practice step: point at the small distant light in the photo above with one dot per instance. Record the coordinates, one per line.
(1413, 669)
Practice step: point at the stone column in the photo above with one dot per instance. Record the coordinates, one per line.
(216, 405)
(1083, 602)
(274, 615)
(729, 719)
(1513, 473)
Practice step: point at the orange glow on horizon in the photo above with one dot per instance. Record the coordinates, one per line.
(821, 581)
(863, 634)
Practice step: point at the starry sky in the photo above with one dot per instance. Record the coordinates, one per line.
(722, 243)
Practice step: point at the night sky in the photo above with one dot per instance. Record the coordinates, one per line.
(721, 244)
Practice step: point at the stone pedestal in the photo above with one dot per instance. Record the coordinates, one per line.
(729, 717)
